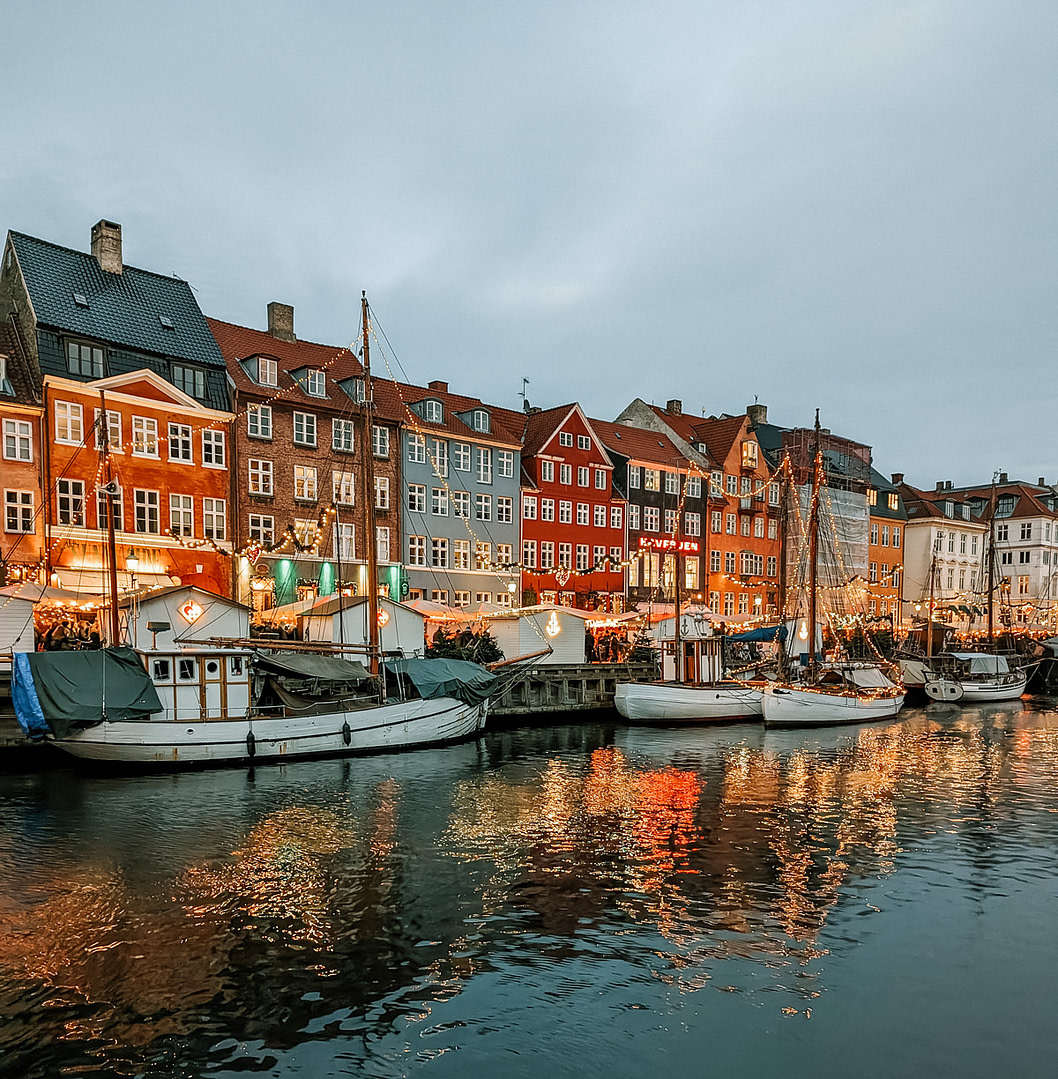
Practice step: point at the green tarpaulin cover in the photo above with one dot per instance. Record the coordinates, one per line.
(458, 678)
(308, 665)
(83, 688)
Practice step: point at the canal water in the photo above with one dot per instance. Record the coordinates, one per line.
(576, 900)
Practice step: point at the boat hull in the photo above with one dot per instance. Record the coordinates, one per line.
(674, 702)
(1007, 688)
(791, 706)
(399, 725)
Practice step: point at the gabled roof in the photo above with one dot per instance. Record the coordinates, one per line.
(393, 401)
(639, 444)
(719, 433)
(19, 386)
(239, 343)
(124, 309)
(540, 427)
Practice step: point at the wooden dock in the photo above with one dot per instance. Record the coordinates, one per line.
(552, 687)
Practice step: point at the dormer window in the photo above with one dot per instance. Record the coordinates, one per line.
(433, 412)
(479, 420)
(358, 389)
(949, 507)
(267, 371)
(84, 360)
(315, 383)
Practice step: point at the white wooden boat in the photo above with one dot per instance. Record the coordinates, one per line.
(789, 705)
(680, 702)
(980, 676)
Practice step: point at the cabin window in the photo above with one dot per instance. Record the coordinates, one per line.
(185, 670)
(236, 666)
(161, 670)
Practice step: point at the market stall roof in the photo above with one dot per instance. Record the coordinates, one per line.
(40, 593)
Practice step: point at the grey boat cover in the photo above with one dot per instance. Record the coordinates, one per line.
(58, 691)
(459, 678)
(311, 665)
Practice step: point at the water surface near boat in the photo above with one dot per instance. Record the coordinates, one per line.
(568, 900)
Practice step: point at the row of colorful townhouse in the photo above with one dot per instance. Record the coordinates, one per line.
(237, 458)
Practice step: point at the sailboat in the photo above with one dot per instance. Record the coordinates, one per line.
(835, 692)
(233, 702)
(699, 693)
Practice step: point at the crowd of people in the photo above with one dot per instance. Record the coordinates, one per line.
(68, 636)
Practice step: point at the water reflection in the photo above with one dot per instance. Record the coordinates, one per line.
(172, 924)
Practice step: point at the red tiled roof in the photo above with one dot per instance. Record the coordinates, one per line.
(393, 398)
(640, 444)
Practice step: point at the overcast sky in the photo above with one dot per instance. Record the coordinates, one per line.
(824, 203)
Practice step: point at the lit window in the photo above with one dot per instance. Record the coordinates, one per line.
(69, 423)
(144, 436)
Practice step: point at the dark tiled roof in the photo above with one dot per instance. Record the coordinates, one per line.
(19, 386)
(122, 309)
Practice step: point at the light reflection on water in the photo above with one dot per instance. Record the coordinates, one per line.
(558, 900)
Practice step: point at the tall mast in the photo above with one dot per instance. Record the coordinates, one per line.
(112, 558)
(369, 508)
(813, 549)
(929, 609)
(784, 524)
(677, 638)
(992, 560)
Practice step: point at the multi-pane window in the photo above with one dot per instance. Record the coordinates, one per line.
(192, 380)
(505, 463)
(417, 497)
(693, 524)
(731, 526)
(439, 552)
(565, 474)
(599, 517)
(633, 517)
(694, 486)
(583, 442)
(439, 456)
(773, 566)
(213, 449)
(69, 422)
(583, 476)
(651, 519)
(672, 483)
(144, 436)
(547, 509)
(565, 438)
(18, 511)
(382, 492)
(416, 449)
(181, 516)
(179, 442)
(758, 527)
(600, 479)
(439, 501)
(461, 554)
(483, 507)
(382, 543)
(259, 421)
(651, 479)
(505, 510)
(343, 434)
(18, 440)
(479, 420)
(260, 475)
(116, 508)
(416, 550)
(528, 508)
(714, 561)
(482, 555)
(461, 504)
(305, 531)
(717, 519)
(671, 522)
(344, 541)
(84, 360)
(746, 523)
(896, 537)
(461, 598)
(529, 554)
(111, 434)
(433, 411)
(732, 485)
(70, 496)
(615, 516)
(565, 555)
(461, 456)
(583, 558)
(305, 486)
(267, 371)
(690, 579)
(305, 428)
(483, 460)
(547, 471)
(147, 511)
(379, 440)
(315, 383)
(214, 518)
(730, 561)
(565, 513)
(343, 487)
(885, 537)
(583, 510)
(547, 554)
(633, 475)
(262, 528)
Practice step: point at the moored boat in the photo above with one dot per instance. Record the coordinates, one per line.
(680, 702)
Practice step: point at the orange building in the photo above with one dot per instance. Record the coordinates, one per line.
(888, 518)
(169, 464)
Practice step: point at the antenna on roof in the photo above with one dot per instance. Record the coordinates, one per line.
(521, 394)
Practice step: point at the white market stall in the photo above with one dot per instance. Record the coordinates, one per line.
(334, 620)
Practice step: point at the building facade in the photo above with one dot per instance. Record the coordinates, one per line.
(887, 524)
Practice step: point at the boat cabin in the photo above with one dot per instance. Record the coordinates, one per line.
(199, 684)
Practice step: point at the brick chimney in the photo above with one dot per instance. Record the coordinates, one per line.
(898, 479)
(757, 414)
(106, 245)
(1003, 477)
(438, 386)
(674, 407)
(281, 321)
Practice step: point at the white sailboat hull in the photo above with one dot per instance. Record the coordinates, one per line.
(790, 706)
(675, 702)
(399, 725)
(1006, 687)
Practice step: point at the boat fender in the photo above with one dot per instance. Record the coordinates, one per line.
(347, 734)
(251, 744)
